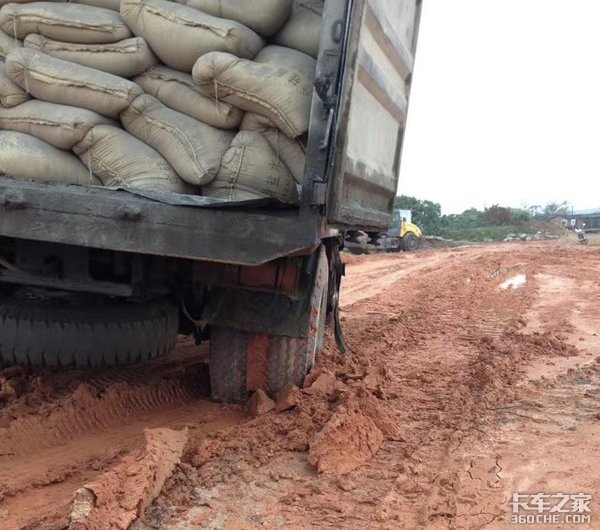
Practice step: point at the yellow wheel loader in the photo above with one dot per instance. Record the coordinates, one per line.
(403, 235)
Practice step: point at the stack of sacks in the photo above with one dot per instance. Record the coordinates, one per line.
(185, 97)
(276, 92)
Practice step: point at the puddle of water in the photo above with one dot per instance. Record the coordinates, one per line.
(515, 282)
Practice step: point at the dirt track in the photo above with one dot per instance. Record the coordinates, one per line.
(454, 394)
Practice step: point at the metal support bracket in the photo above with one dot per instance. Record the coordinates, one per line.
(337, 270)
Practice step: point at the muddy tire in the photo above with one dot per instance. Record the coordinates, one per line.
(275, 361)
(291, 359)
(81, 335)
(228, 365)
(287, 357)
(410, 243)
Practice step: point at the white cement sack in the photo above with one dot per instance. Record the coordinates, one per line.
(58, 81)
(126, 58)
(264, 16)
(28, 158)
(7, 43)
(59, 125)
(11, 94)
(303, 29)
(63, 21)
(180, 34)
(113, 5)
(277, 85)
(193, 148)
(290, 151)
(119, 159)
(251, 170)
(178, 91)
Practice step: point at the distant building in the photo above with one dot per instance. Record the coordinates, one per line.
(589, 218)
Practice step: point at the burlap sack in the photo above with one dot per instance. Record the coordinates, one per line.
(113, 5)
(180, 34)
(59, 125)
(278, 84)
(302, 31)
(11, 94)
(178, 91)
(263, 16)
(291, 152)
(125, 58)
(193, 148)
(119, 159)
(7, 43)
(58, 81)
(63, 21)
(28, 158)
(251, 170)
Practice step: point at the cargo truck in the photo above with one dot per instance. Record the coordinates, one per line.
(94, 277)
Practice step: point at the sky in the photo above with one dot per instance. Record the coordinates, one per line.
(505, 105)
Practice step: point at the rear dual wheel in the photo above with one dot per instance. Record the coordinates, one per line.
(242, 362)
(80, 333)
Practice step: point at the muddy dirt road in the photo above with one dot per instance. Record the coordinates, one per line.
(455, 394)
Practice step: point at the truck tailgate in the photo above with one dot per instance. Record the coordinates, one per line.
(372, 115)
(118, 220)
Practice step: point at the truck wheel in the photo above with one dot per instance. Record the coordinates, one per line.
(291, 359)
(38, 333)
(228, 365)
(410, 243)
(275, 361)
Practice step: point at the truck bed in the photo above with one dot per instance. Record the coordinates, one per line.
(358, 118)
(119, 220)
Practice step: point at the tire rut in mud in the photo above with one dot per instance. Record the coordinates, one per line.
(60, 429)
(96, 403)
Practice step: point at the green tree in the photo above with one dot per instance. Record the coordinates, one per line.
(555, 208)
(427, 215)
(497, 215)
(520, 216)
(470, 218)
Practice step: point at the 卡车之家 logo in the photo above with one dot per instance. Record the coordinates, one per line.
(551, 508)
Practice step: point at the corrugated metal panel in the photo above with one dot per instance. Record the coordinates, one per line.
(372, 116)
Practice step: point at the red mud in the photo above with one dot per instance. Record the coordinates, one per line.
(454, 394)
(118, 497)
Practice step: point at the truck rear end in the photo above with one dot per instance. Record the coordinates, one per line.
(92, 276)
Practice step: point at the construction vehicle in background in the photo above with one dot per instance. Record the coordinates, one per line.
(403, 235)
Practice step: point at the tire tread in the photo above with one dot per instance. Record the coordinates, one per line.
(85, 336)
